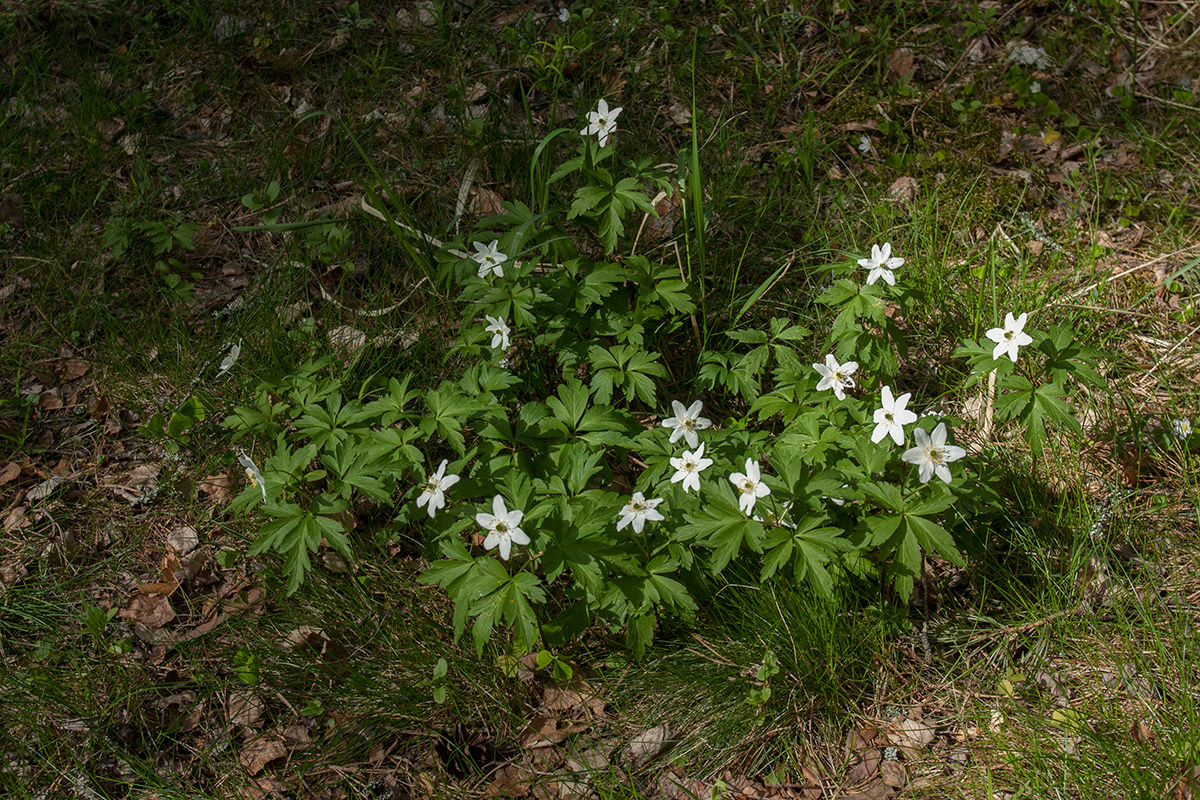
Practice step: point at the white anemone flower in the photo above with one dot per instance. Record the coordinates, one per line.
(637, 511)
(503, 527)
(864, 144)
(500, 329)
(1011, 337)
(892, 417)
(688, 468)
(564, 15)
(230, 358)
(749, 486)
(601, 122)
(686, 422)
(932, 454)
(836, 376)
(489, 258)
(1182, 428)
(253, 474)
(433, 490)
(881, 263)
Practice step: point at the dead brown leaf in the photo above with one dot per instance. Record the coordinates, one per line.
(219, 488)
(12, 209)
(543, 731)
(140, 481)
(264, 786)
(260, 752)
(893, 774)
(183, 539)
(172, 573)
(17, 519)
(1187, 787)
(243, 707)
(75, 368)
(484, 202)
(650, 744)
(11, 573)
(903, 189)
(911, 735)
(50, 400)
(151, 610)
(678, 113)
(110, 128)
(347, 340)
(900, 61)
(45, 488)
(11, 471)
(869, 125)
(866, 768)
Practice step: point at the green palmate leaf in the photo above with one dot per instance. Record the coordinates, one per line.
(783, 329)
(393, 448)
(510, 602)
(661, 291)
(570, 404)
(390, 407)
(583, 552)
(639, 634)
(715, 372)
(807, 549)
(293, 536)
(979, 355)
(1015, 394)
(721, 526)
(666, 590)
(1034, 406)
(448, 409)
(884, 494)
(587, 198)
(465, 579)
(933, 538)
(356, 471)
(482, 380)
(627, 369)
(1066, 355)
(598, 283)
(748, 336)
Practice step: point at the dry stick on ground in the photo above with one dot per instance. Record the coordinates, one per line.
(1121, 274)
(1174, 347)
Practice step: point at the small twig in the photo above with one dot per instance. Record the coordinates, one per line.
(1166, 102)
(1174, 347)
(1121, 274)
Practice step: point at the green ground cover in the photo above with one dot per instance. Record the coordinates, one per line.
(183, 179)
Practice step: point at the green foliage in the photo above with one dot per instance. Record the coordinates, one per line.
(552, 453)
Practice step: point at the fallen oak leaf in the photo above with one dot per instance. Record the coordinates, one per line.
(219, 488)
(260, 752)
(11, 471)
(151, 610)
